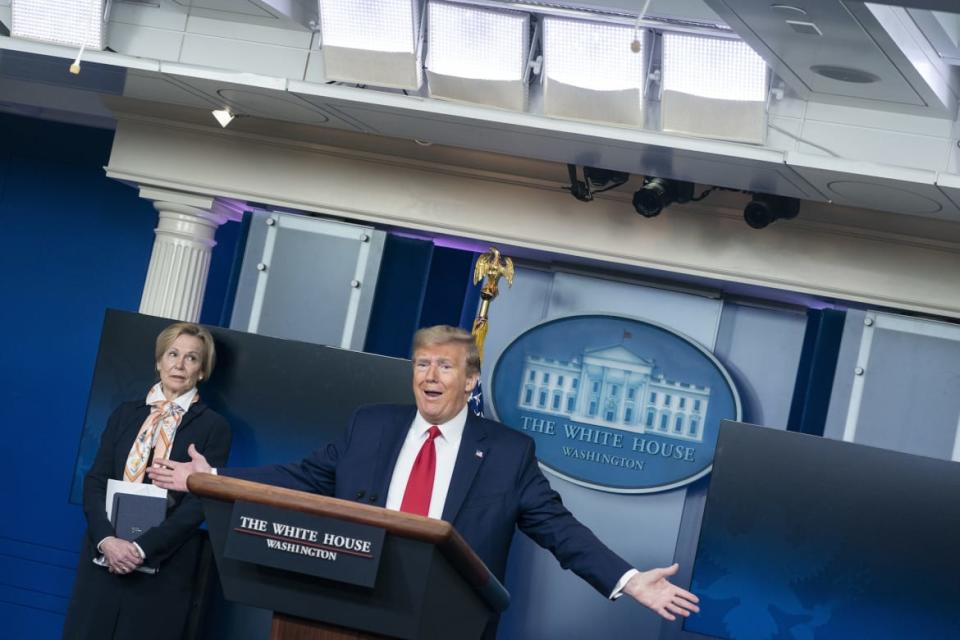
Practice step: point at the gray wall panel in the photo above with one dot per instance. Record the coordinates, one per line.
(761, 348)
(247, 282)
(308, 279)
(302, 270)
(547, 601)
(905, 394)
(694, 316)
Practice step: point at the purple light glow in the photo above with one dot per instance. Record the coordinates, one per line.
(463, 244)
(783, 296)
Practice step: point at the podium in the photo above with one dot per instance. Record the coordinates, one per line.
(428, 583)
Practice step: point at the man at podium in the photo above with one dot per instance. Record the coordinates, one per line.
(438, 460)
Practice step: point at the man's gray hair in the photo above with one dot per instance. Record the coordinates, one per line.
(445, 334)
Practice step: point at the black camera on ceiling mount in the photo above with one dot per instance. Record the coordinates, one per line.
(658, 193)
(765, 208)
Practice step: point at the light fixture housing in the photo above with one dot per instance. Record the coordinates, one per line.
(374, 42)
(764, 209)
(477, 55)
(591, 71)
(656, 194)
(713, 87)
(223, 116)
(78, 23)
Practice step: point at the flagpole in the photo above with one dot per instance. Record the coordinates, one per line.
(490, 268)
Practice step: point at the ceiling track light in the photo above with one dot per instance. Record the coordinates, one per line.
(764, 208)
(656, 194)
(594, 181)
(223, 116)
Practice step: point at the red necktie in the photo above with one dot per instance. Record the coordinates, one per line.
(416, 497)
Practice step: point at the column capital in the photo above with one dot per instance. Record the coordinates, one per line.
(214, 208)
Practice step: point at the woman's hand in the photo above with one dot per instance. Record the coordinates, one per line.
(122, 556)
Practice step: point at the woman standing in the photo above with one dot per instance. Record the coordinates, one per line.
(111, 598)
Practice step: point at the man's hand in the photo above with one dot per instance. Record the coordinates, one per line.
(652, 589)
(168, 474)
(122, 556)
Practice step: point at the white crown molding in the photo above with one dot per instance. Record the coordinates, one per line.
(818, 258)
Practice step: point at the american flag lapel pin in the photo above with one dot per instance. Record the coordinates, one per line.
(479, 453)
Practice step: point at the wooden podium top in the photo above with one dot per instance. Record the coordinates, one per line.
(436, 532)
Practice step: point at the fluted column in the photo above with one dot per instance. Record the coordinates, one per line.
(180, 262)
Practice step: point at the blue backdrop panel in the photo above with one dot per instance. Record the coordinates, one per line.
(224, 273)
(75, 242)
(283, 399)
(863, 548)
(811, 394)
(451, 273)
(401, 287)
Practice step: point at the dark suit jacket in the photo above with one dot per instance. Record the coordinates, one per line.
(496, 487)
(201, 426)
(104, 605)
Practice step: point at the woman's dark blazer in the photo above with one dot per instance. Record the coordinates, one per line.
(106, 605)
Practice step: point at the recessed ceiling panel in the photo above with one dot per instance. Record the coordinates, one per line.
(264, 103)
(845, 61)
(156, 87)
(228, 7)
(874, 186)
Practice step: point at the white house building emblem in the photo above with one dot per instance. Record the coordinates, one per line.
(613, 387)
(615, 403)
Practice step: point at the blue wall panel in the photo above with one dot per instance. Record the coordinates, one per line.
(451, 271)
(398, 301)
(74, 243)
(821, 348)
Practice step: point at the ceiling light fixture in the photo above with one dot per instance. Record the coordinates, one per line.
(656, 194)
(765, 208)
(374, 42)
(223, 116)
(591, 71)
(477, 55)
(76, 24)
(713, 88)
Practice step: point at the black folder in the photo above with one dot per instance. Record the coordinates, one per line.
(134, 515)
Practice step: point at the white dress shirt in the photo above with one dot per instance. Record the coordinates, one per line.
(447, 445)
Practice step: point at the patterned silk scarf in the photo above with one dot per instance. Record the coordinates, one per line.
(157, 433)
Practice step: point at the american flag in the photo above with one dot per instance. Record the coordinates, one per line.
(475, 402)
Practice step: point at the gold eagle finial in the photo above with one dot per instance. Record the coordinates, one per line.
(492, 266)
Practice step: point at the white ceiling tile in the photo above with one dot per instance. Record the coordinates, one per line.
(875, 186)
